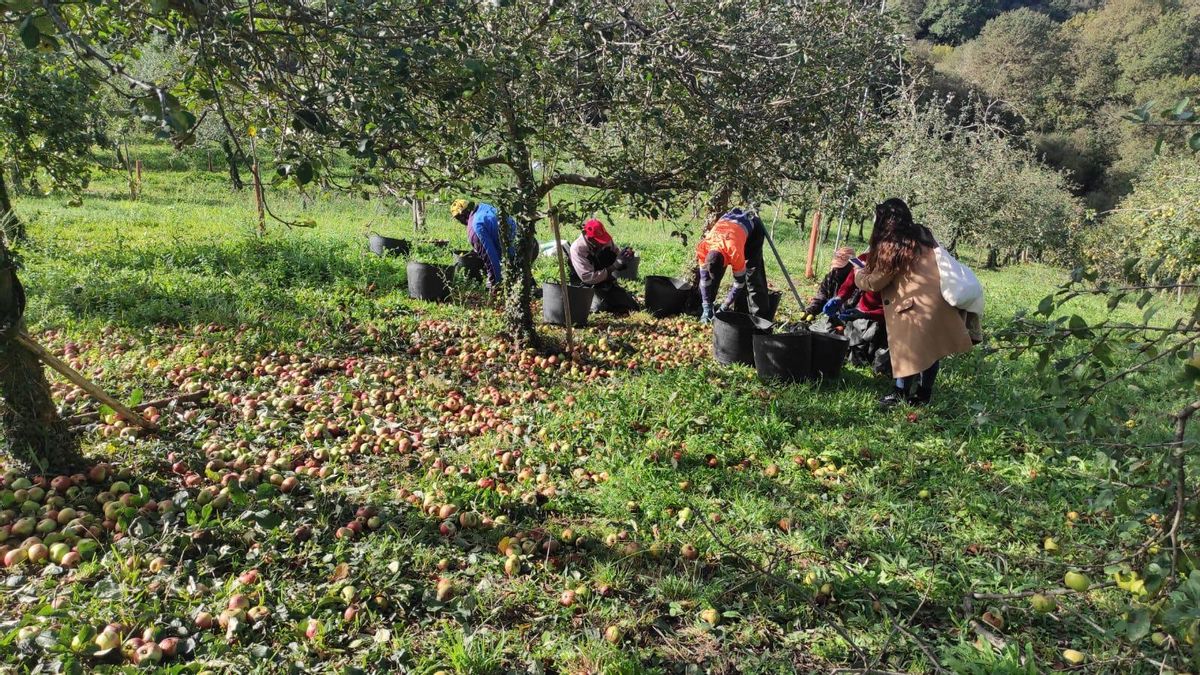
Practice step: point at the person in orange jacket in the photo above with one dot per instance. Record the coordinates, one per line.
(735, 241)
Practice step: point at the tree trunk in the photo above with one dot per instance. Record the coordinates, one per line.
(8, 218)
(518, 278)
(861, 225)
(717, 206)
(232, 159)
(993, 258)
(33, 432)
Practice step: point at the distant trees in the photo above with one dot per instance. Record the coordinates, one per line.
(971, 185)
(956, 21)
(1070, 82)
(1018, 59)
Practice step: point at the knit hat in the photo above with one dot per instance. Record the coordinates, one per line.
(460, 206)
(594, 231)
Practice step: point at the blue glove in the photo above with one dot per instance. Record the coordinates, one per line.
(706, 316)
(832, 307)
(850, 315)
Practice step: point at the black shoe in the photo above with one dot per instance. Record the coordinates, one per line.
(919, 399)
(893, 399)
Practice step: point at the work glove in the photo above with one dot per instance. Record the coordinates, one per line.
(621, 263)
(832, 307)
(706, 315)
(850, 315)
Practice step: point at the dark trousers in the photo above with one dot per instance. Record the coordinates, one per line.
(923, 382)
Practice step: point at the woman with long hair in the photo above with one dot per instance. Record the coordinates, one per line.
(922, 327)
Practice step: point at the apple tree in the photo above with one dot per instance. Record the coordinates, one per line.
(1152, 493)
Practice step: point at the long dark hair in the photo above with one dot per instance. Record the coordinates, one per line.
(896, 240)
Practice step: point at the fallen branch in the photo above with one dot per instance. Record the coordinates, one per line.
(1030, 594)
(82, 382)
(194, 397)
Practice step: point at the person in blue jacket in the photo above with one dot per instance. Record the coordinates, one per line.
(483, 231)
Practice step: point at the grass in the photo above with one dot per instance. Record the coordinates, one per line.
(303, 328)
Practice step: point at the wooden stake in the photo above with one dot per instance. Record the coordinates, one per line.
(82, 382)
(139, 170)
(258, 190)
(562, 281)
(813, 237)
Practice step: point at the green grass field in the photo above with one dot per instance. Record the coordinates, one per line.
(609, 503)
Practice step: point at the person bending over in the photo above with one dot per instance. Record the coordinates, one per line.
(735, 241)
(483, 231)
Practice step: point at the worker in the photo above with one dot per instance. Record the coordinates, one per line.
(922, 328)
(483, 231)
(839, 269)
(595, 260)
(861, 312)
(735, 241)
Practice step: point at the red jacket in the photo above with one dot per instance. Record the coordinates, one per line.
(870, 303)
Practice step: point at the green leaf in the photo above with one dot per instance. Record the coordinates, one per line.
(1078, 326)
(31, 37)
(1130, 263)
(1046, 306)
(1194, 142)
(136, 397)
(268, 520)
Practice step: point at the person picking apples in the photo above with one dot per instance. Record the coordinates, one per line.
(735, 241)
(483, 231)
(595, 260)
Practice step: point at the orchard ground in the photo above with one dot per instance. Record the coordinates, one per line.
(374, 482)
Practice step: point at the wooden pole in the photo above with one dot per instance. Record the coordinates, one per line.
(82, 382)
(139, 170)
(814, 236)
(258, 189)
(562, 281)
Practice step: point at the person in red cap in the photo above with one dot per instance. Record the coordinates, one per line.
(595, 259)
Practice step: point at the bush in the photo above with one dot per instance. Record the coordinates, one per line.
(1159, 220)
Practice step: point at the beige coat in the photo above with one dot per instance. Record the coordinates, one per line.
(922, 327)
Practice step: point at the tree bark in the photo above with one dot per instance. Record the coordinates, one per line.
(8, 217)
(518, 278)
(232, 159)
(33, 432)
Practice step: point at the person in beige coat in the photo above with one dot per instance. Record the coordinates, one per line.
(922, 327)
